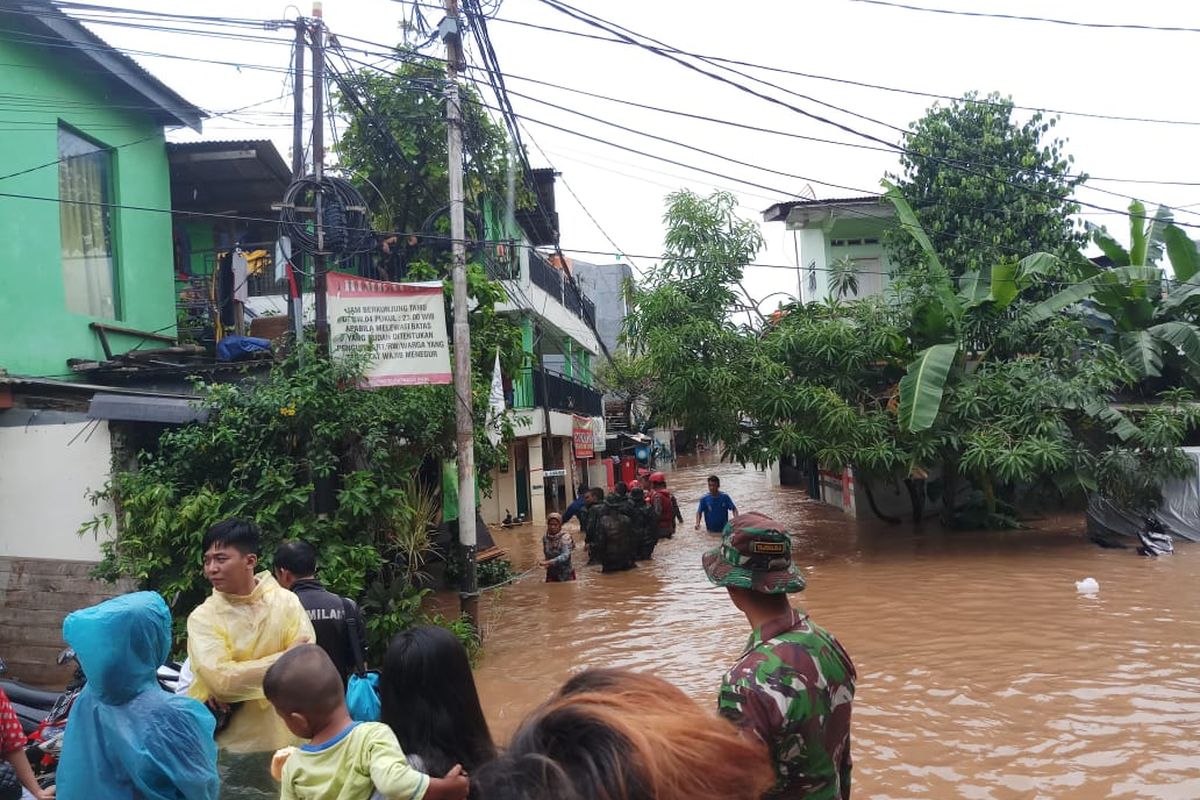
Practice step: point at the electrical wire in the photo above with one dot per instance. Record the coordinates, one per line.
(1132, 26)
(844, 81)
(625, 33)
(156, 135)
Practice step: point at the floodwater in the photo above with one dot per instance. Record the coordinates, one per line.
(983, 674)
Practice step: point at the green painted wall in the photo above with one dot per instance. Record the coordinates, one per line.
(37, 333)
(523, 383)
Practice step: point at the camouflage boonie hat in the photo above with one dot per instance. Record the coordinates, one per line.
(755, 554)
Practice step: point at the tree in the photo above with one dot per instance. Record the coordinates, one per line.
(395, 147)
(681, 321)
(974, 380)
(985, 187)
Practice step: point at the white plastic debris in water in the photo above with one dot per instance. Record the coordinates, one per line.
(1087, 586)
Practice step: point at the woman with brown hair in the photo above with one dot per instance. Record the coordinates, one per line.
(619, 735)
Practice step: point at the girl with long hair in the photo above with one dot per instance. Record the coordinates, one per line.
(429, 700)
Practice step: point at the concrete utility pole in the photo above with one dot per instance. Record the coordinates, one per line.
(469, 593)
(318, 157)
(295, 282)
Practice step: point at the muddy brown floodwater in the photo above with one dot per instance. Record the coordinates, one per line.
(982, 672)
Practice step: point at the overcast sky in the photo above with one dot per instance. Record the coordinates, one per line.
(1108, 72)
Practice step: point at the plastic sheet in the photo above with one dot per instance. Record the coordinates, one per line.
(1179, 512)
(126, 737)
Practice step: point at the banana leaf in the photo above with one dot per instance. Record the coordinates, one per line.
(1142, 351)
(1178, 296)
(922, 389)
(976, 287)
(1108, 245)
(1181, 250)
(1005, 286)
(1183, 336)
(1154, 235)
(911, 224)
(1037, 264)
(1086, 288)
(1117, 422)
(1137, 233)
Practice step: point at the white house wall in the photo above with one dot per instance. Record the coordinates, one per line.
(814, 264)
(48, 462)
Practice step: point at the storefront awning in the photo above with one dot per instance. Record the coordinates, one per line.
(146, 408)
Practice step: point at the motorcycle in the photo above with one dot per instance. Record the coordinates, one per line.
(1154, 540)
(44, 714)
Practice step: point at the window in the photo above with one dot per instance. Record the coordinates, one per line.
(85, 221)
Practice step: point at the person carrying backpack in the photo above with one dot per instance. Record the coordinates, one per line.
(614, 532)
(337, 620)
(645, 529)
(666, 508)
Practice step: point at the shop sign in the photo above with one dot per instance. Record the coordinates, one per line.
(585, 438)
(401, 326)
(554, 473)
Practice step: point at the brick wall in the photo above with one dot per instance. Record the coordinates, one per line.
(35, 596)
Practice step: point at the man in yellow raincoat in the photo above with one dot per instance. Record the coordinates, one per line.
(237, 634)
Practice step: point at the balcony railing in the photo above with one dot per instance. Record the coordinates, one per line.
(554, 283)
(538, 387)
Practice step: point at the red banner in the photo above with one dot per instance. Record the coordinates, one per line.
(584, 439)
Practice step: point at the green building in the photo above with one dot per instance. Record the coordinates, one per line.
(86, 263)
(85, 235)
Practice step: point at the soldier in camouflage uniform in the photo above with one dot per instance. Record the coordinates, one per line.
(645, 532)
(794, 685)
(588, 517)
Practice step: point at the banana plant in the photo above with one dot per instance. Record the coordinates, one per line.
(1146, 311)
(924, 385)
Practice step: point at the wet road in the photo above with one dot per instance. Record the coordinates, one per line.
(983, 674)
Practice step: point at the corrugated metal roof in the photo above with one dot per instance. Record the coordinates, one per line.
(779, 211)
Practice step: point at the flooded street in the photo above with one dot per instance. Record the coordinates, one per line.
(982, 672)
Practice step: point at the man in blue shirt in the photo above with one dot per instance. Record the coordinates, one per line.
(575, 509)
(715, 507)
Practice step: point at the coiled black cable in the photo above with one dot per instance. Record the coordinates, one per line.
(343, 216)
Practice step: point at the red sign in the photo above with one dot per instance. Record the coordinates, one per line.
(584, 439)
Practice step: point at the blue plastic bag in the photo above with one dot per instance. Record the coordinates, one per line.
(362, 697)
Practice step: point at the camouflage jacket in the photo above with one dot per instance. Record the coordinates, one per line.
(793, 689)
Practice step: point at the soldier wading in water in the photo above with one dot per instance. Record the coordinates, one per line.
(793, 686)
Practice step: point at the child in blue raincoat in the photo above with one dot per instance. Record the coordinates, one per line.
(127, 737)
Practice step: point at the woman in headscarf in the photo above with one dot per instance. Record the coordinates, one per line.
(557, 546)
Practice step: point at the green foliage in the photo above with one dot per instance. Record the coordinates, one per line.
(1135, 305)
(980, 376)
(843, 277)
(389, 607)
(488, 573)
(1131, 473)
(986, 188)
(922, 387)
(400, 146)
(260, 454)
(680, 325)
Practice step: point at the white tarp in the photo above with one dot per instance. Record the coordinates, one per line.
(1179, 512)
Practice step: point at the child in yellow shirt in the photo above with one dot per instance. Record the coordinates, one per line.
(344, 760)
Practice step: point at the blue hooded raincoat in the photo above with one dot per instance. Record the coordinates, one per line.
(127, 737)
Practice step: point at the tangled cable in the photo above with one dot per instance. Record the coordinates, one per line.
(343, 216)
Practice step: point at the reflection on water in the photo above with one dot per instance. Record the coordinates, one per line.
(983, 674)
